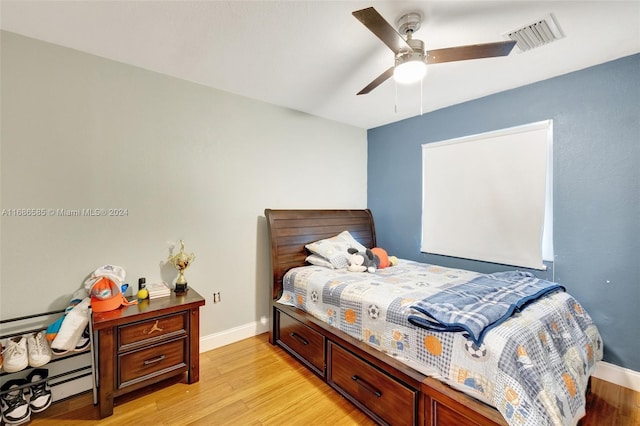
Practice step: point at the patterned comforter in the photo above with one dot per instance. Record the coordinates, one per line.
(533, 367)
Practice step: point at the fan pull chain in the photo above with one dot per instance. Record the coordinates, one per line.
(395, 107)
(421, 96)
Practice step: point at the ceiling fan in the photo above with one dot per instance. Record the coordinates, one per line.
(411, 58)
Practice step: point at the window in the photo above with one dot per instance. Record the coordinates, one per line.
(489, 197)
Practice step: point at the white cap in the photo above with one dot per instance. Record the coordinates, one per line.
(112, 272)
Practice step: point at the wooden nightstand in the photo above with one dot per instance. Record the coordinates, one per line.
(146, 343)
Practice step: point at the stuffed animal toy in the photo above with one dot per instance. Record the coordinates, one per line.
(382, 255)
(385, 259)
(362, 261)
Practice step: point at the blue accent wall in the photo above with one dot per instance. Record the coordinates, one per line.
(596, 161)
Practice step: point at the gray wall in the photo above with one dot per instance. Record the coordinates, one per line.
(596, 115)
(186, 161)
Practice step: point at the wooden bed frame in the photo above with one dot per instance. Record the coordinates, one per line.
(384, 388)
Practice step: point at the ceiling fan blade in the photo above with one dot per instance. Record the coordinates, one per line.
(472, 51)
(382, 29)
(377, 82)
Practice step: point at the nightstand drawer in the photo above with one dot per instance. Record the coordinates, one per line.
(144, 364)
(145, 332)
(306, 344)
(371, 389)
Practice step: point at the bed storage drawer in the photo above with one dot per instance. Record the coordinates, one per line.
(444, 406)
(387, 400)
(445, 415)
(303, 342)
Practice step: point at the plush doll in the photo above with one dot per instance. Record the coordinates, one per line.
(362, 261)
(385, 259)
(382, 255)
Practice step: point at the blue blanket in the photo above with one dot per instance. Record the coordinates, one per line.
(480, 304)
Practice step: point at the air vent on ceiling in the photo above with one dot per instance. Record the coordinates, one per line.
(541, 32)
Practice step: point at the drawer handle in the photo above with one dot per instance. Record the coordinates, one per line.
(299, 338)
(153, 328)
(154, 360)
(366, 386)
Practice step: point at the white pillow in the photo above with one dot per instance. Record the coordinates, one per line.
(317, 260)
(334, 249)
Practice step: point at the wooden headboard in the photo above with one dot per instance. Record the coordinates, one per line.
(290, 230)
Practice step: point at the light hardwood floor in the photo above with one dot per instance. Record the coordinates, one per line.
(253, 383)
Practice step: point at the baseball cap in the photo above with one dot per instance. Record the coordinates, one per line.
(104, 288)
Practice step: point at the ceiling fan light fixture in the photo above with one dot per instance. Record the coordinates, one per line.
(410, 69)
(410, 57)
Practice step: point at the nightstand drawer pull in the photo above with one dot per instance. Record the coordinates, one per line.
(366, 386)
(154, 360)
(153, 328)
(299, 338)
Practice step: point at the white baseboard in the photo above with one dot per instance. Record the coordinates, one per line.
(223, 338)
(71, 388)
(618, 375)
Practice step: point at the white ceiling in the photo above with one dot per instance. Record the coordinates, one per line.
(314, 56)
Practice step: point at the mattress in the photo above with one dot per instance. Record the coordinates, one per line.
(533, 367)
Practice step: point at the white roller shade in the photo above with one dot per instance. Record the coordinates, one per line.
(485, 197)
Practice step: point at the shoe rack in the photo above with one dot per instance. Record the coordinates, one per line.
(69, 367)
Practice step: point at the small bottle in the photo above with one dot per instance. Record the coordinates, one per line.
(142, 292)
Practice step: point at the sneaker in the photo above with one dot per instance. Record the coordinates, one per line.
(41, 397)
(58, 352)
(15, 355)
(84, 341)
(39, 351)
(15, 409)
